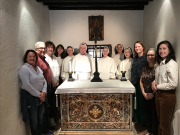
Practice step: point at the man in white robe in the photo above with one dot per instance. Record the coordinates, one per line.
(106, 66)
(120, 55)
(65, 65)
(83, 64)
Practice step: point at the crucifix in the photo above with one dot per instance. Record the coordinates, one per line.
(96, 73)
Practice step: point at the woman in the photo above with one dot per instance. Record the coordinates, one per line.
(60, 55)
(147, 77)
(119, 54)
(164, 85)
(33, 91)
(107, 71)
(139, 61)
(126, 64)
(55, 72)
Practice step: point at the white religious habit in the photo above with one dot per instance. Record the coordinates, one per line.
(125, 66)
(107, 68)
(65, 68)
(82, 68)
(118, 58)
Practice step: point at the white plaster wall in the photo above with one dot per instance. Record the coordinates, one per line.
(71, 27)
(162, 22)
(22, 24)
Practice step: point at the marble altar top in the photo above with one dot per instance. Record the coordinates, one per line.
(86, 86)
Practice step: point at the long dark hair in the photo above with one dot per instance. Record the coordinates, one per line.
(26, 54)
(63, 54)
(171, 54)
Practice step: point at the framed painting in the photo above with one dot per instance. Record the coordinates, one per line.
(96, 28)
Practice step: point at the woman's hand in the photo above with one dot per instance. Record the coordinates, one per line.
(154, 86)
(42, 96)
(57, 83)
(150, 95)
(145, 95)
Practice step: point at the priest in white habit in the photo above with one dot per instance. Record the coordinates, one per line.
(106, 66)
(65, 65)
(119, 55)
(83, 64)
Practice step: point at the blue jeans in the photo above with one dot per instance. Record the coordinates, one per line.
(35, 110)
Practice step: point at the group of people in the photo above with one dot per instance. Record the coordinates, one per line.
(154, 74)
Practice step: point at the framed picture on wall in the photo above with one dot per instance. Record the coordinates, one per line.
(96, 28)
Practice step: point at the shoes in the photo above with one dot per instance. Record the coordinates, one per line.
(48, 133)
(52, 123)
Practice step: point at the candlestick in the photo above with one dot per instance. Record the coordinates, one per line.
(123, 78)
(123, 65)
(70, 77)
(69, 66)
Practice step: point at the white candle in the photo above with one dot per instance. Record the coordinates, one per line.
(123, 65)
(69, 66)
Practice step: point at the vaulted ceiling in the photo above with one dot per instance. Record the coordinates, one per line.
(95, 4)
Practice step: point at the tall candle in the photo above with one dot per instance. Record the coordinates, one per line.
(123, 65)
(69, 66)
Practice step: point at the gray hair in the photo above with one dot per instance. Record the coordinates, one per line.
(83, 44)
(151, 49)
(106, 48)
(121, 45)
(39, 42)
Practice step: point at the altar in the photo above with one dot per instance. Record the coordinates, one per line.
(96, 106)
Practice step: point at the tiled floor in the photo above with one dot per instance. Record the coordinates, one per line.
(137, 130)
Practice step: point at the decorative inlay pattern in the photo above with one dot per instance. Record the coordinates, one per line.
(96, 111)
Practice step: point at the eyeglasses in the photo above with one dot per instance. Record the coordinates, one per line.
(150, 55)
(41, 48)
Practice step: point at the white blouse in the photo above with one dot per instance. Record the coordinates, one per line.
(55, 70)
(166, 75)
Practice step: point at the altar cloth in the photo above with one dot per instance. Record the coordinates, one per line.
(85, 86)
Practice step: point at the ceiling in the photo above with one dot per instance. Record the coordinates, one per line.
(95, 4)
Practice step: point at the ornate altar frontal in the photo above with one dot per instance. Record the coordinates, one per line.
(95, 110)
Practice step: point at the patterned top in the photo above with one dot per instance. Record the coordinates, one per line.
(147, 77)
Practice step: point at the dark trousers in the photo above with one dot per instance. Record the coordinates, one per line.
(139, 112)
(35, 111)
(151, 116)
(46, 123)
(165, 103)
(51, 100)
(53, 110)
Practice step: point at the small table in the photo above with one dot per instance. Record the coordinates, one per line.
(96, 106)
